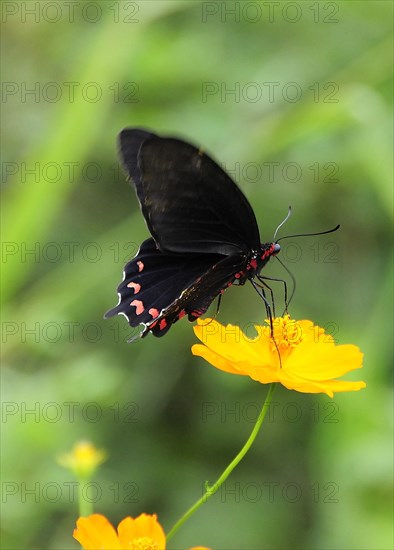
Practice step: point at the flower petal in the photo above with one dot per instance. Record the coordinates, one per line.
(263, 373)
(95, 532)
(227, 340)
(216, 360)
(324, 361)
(325, 386)
(140, 530)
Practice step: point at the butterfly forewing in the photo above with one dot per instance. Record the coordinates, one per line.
(189, 203)
(130, 142)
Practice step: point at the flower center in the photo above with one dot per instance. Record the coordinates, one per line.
(143, 543)
(287, 333)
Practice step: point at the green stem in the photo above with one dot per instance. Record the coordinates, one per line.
(213, 488)
(85, 507)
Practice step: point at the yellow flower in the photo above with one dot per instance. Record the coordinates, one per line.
(143, 533)
(309, 362)
(83, 459)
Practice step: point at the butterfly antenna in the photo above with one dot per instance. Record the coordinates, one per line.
(282, 223)
(308, 234)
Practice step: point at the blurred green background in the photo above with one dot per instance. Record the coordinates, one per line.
(294, 99)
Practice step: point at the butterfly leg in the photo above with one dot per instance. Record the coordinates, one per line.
(218, 305)
(262, 279)
(264, 284)
(260, 291)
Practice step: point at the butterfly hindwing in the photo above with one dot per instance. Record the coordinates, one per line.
(159, 288)
(189, 203)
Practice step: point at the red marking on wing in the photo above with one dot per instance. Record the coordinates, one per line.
(181, 314)
(162, 324)
(135, 286)
(252, 264)
(196, 313)
(140, 265)
(154, 312)
(139, 306)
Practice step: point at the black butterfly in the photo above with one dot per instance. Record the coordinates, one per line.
(205, 234)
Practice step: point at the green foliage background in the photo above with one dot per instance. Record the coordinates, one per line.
(333, 459)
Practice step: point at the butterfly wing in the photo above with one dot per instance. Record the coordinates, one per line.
(159, 288)
(198, 296)
(130, 142)
(189, 203)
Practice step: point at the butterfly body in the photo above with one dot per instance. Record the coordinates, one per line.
(204, 233)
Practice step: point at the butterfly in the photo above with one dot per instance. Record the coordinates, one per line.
(204, 233)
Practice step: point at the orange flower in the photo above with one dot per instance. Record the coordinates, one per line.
(143, 533)
(309, 362)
